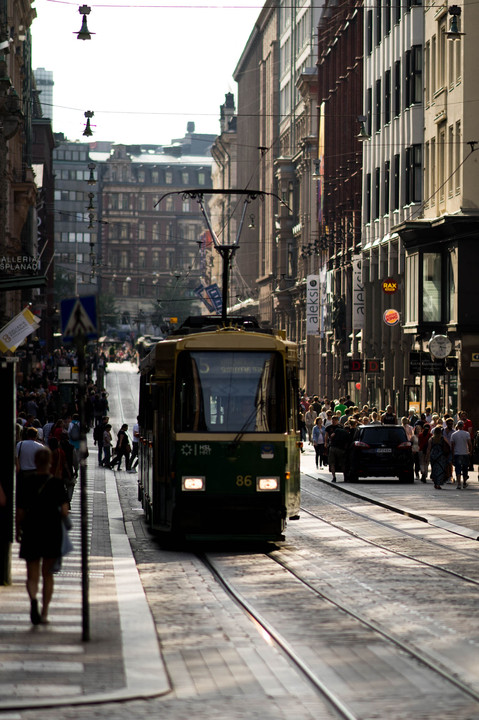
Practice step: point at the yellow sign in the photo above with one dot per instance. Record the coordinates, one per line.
(390, 286)
(173, 320)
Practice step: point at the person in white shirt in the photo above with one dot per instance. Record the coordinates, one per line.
(26, 451)
(461, 450)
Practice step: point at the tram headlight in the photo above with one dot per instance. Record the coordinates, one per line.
(192, 482)
(267, 484)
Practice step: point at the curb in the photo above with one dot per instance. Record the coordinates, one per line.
(422, 517)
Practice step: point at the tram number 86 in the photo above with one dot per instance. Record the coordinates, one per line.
(244, 480)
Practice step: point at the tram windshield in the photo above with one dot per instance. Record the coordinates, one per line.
(230, 391)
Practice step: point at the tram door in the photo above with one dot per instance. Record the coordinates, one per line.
(162, 455)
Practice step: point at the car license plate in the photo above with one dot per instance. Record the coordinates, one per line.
(384, 450)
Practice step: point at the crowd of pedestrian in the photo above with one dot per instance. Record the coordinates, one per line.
(48, 445)
(444, 446)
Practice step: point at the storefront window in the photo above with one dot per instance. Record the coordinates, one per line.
(450, 289)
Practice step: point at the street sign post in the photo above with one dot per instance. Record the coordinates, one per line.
(79, 324)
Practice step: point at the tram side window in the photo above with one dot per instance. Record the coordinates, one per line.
(230, 392)
(146, 407)
(292, 397)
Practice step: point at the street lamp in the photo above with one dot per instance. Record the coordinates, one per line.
(84, 33)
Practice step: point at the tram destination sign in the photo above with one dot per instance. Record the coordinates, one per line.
(421, 363)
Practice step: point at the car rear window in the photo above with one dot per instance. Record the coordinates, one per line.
(383, 435)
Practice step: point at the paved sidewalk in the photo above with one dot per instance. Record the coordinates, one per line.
(49, 665)
(449, 509)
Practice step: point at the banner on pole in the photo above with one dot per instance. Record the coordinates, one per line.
(312, 305)
(14, 332)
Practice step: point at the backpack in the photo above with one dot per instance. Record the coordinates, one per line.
(74, 433)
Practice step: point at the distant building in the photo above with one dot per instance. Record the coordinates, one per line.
(150, 253)
(75, 232)
(44, 83)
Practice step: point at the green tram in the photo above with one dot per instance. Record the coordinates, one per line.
(219, 438)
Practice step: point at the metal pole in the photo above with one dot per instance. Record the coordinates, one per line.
(80, 344)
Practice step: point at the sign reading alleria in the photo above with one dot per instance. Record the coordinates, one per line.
(389, 286)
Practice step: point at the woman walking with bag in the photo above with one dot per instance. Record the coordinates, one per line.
(123, 447)
(42, 503)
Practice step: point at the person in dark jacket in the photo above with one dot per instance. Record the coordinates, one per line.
(41, 504)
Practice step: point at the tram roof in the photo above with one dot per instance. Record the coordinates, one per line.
(215, 337)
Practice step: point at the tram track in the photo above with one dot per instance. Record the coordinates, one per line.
(333, 700)
(260, 598)
(267, 627)
(399, 553)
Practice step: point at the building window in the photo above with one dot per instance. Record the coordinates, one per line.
(450, 162)
(397, 181)
(369, 32)
(441, 162)
(412, 289)
(124, 259)
(367, 207)
(168, 177)
(397, 11)
(427, 72)
(397, 88)
(442, 60)
(142, 202)
(155, 259)
(185, 177)
(450, 288)
(185, 206)
(170, 259)
(142, 259)
(431, 287)
(387, 16)
(377, 193)
(426, 175)
(155, 177)
(201, 178)
(369, 109)
(413, 174)
(387, 97)
(387, 183)
(141, 176)
(141, 231)
(379, 33)
(169, 204)
(413, 89)
(125, 289)
(141, 289)
(457, 160)
(377, 106)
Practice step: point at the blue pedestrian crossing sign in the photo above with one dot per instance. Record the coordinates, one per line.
(79, 318)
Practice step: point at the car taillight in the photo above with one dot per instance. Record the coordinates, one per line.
(404, 444)
(360, 443)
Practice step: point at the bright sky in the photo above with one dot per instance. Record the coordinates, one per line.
(150, 67)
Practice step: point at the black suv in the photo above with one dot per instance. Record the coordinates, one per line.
(380, 451)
